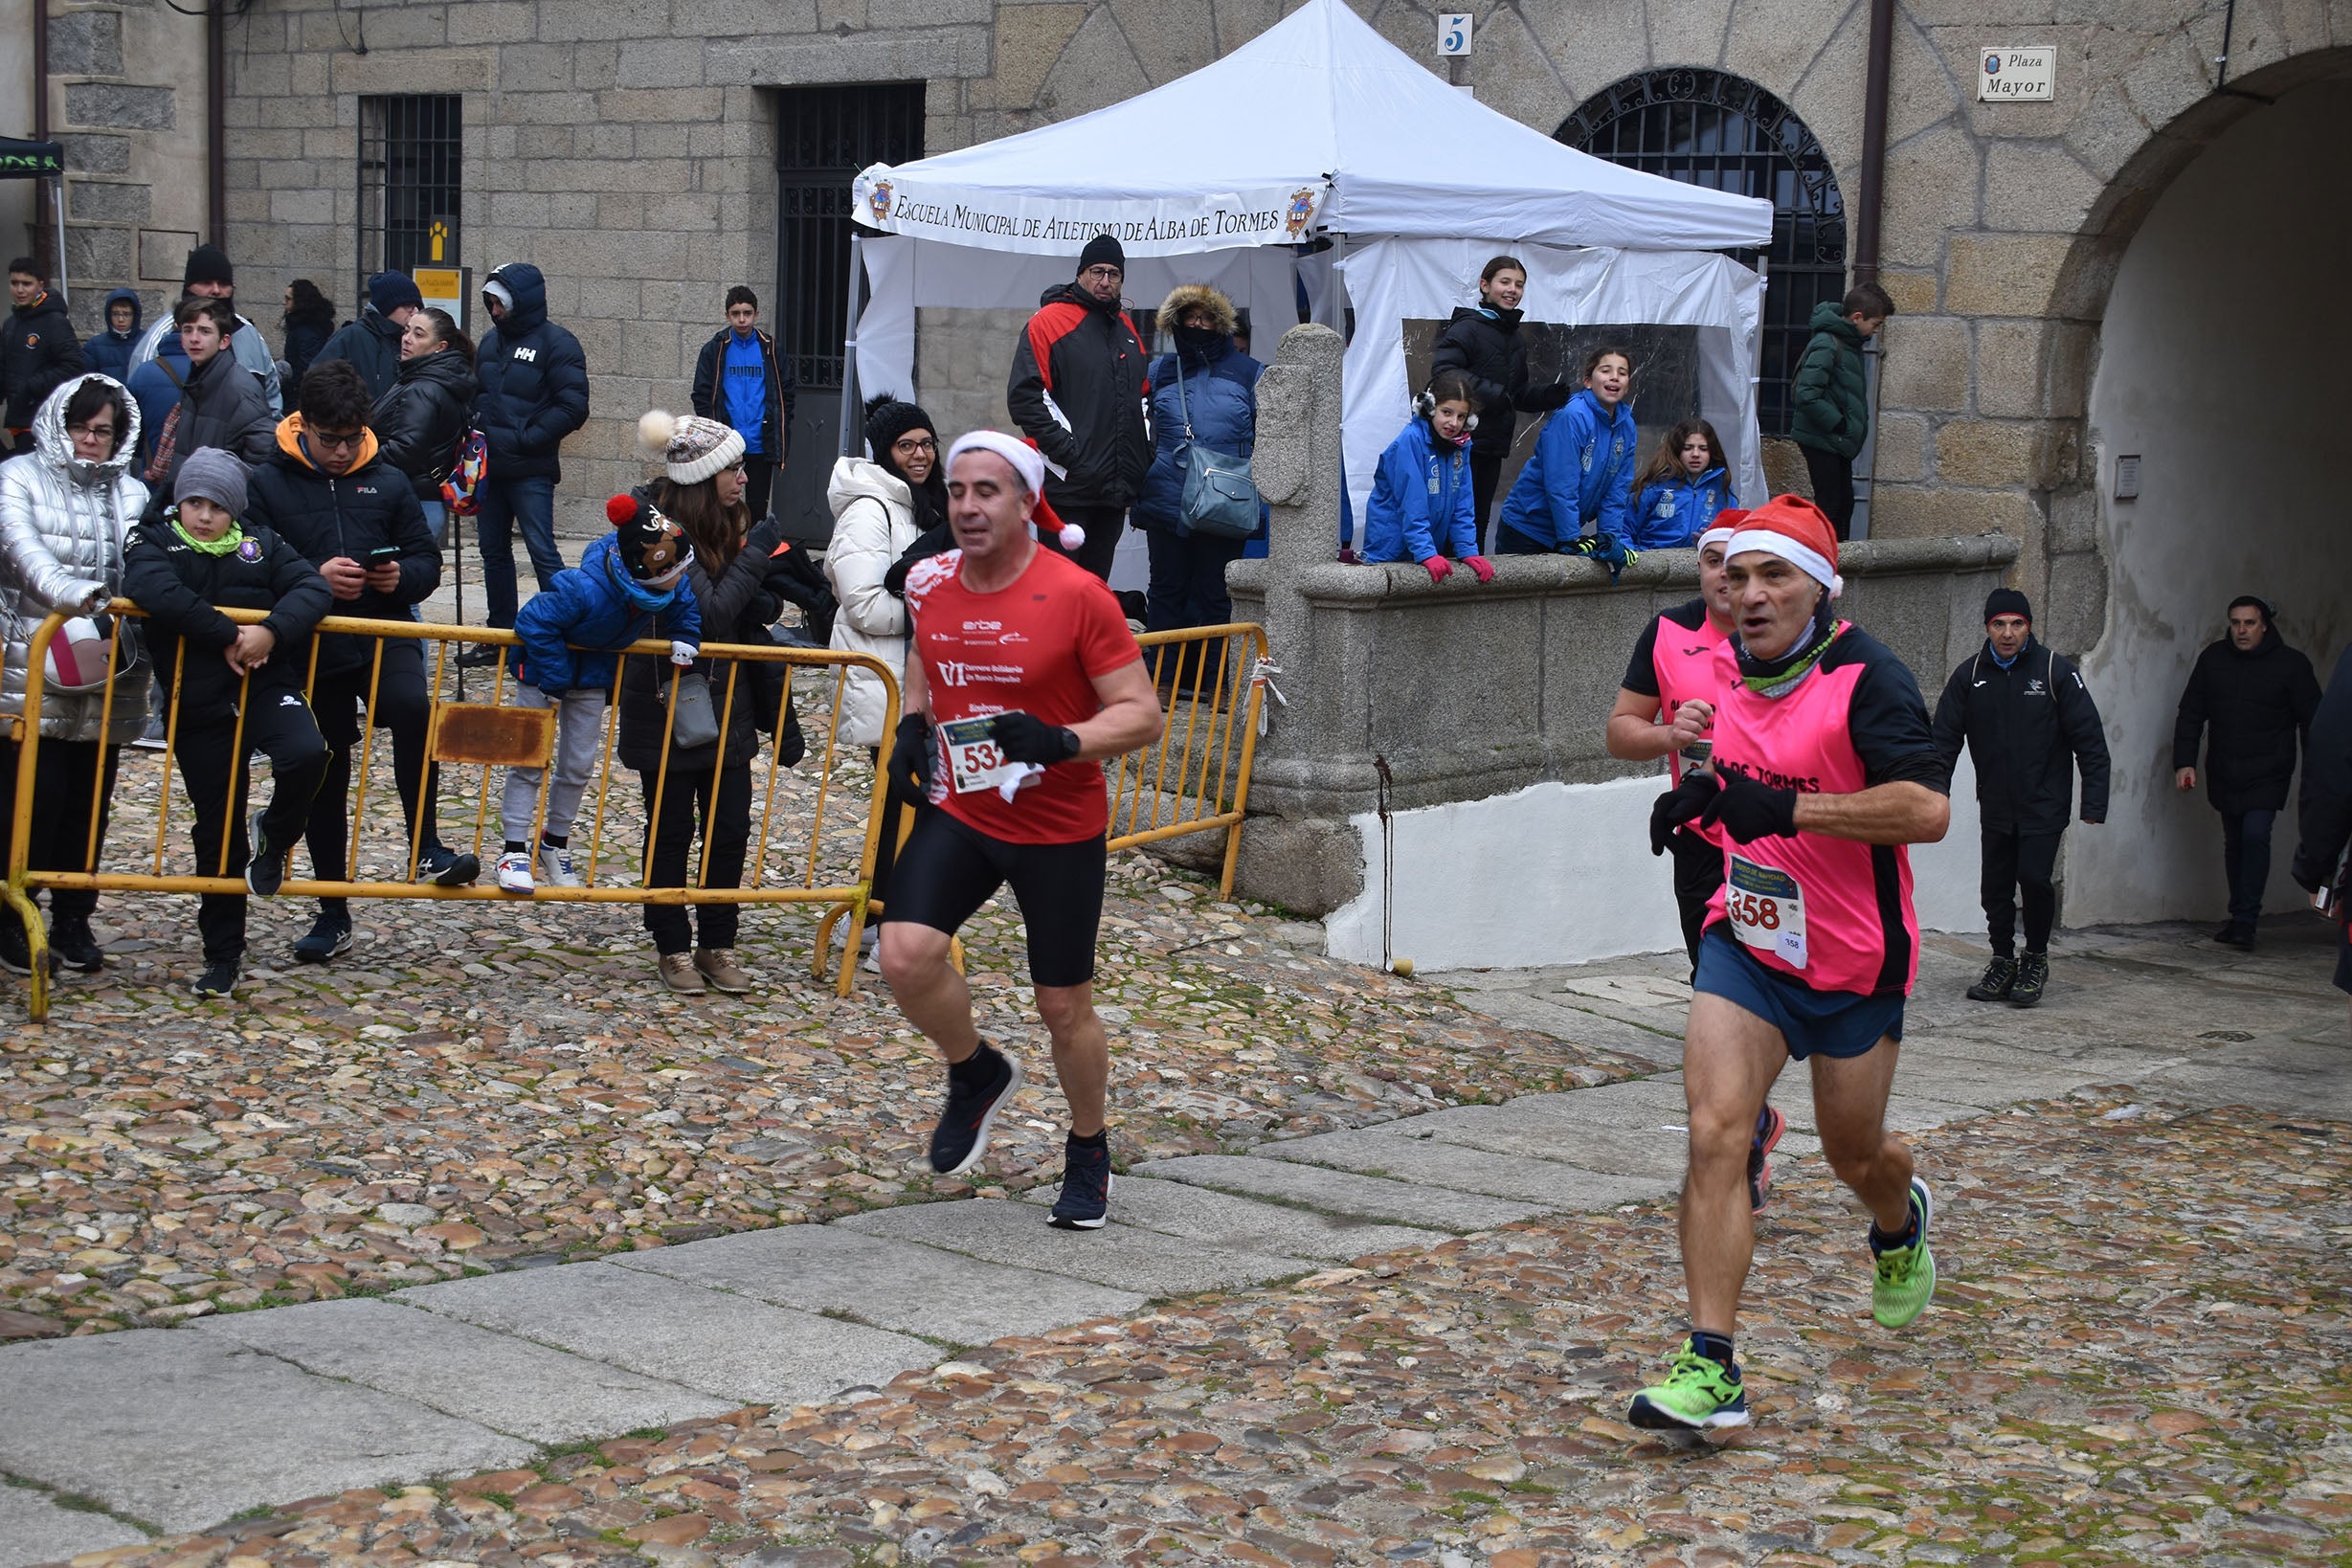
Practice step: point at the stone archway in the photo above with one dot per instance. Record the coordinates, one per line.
(2222, 329)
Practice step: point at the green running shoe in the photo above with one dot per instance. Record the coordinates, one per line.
(1699, 1394)
(1906, 1275)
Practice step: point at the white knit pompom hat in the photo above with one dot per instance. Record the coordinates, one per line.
(693, 447)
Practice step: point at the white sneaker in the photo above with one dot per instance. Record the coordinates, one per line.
(514, 873)
(555, 867)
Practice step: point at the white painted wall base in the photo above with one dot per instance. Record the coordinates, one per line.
(1562, 873)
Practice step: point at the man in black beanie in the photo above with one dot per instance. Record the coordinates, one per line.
(2028, 721)
(1077, 390)
(209, 275)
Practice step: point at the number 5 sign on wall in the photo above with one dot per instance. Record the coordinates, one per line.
(1453, 33)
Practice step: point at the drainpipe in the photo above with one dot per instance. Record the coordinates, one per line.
(1874, 142)
(216, 124)
(43, 191)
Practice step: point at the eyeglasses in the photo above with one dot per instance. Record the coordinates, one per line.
(1104, 273)
(915, 443)
(328, 438)
(89, 429)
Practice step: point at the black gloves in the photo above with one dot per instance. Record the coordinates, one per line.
(1749, 811)
(1547, 399)
(911, 758)
(1025, 737)
(765, 536)
(1679, 806)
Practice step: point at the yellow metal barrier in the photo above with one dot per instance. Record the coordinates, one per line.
(492, 735)
(1196, 777)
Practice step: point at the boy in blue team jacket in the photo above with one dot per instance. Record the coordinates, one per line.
(630, 585)
(1580, 474)
(1421, 508)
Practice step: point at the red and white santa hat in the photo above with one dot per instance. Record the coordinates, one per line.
(1798, 532)
(1030, 465)
(1727, 525)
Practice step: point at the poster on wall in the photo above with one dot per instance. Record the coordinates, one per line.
(447, 288)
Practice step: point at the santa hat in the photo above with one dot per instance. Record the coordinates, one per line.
(694, 448)
(1030, 465)
(1798, 532)
(1727, 523)
(654, 550)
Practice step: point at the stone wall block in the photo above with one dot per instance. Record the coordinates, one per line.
(2073, 519)
(1925, 364)
(1915, 511)
(608, 142)
(534, 67)
(1772, 42)
(1900, 455)
(1913, 291)
(492, 21)
(2036, 187)
(1594, 42)
(624, 105)
(570, 21)
(259, 74)
(519, 209)
(1096, 69)
(86, 43)
(99, 253)
(564, 109)
(660, 62)
(97, 154)
(116, 103)
(1028, 41)
(2003, 275)
(95, 201)
(596, 66)
(744, 18)
(1238, 21)
(1932, 180)
(1513, 75)
(2106, 133)
(408, 25)
(1171, 37)
(939, 53)
(2074, 602)
(1986, 453)
(608, 298)
(414, 70)
(1784, 470)
(2169, 79)
(299, 113)
(686, 211)
(302, 206)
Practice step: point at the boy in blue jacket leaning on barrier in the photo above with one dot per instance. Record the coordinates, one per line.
(630, 585)
(1421, 508)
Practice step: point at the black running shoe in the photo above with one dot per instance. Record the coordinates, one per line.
(329, 937)
(267, 872)
(2032, 979)
(220, 979)
(1084, 1203)
(1999, 979)
(445, 867)
(2235, 935)
(961, 1137)
(70, 941)
(15, 952)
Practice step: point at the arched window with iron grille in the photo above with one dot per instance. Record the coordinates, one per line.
(1710, 128)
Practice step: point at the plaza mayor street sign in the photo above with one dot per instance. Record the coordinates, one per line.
(2019, 76)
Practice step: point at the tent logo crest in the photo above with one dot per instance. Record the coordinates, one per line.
(878, 201)
(1302, 212)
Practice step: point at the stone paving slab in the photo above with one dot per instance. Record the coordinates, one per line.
(1642, 1103)
(1549, 1185)
(889, 1283)
(1505, 1129)
(1335, 1191)
(33, 1529)
(1205, 1216)
(1120, 1256)
(1564, 1018)
(505, 1383)
(183, 1431)
(728, 1345)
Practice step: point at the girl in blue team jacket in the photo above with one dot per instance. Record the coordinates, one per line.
(1421, 508)
(1680, 489)
(1580, 473)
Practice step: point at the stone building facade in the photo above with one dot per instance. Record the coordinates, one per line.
(630, 148)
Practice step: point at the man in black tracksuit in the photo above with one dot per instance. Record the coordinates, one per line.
(1077, 390)
(2258, 696)
(353, 516)
(2028, 721)
(184, 568)
(38, 352)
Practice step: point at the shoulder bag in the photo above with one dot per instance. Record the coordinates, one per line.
(1219, 498)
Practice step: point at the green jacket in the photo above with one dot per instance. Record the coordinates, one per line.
(1828, 400)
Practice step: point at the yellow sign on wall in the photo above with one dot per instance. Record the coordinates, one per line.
(446, 288)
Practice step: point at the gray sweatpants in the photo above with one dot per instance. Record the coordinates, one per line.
(579, 730)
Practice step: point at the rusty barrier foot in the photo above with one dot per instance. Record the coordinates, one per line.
(37, 943)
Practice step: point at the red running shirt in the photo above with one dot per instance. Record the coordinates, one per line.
(1036, 646)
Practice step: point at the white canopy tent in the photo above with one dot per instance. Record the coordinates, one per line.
(1319, 128)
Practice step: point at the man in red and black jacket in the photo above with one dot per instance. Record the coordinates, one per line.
(1077, 390)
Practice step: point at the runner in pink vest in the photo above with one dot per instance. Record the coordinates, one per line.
(1825, 768)
(1667, 708)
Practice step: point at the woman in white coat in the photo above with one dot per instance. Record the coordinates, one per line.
(882, 506)
(65, 510)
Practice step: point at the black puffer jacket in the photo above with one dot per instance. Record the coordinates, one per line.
(2326, 806)
(1485, 344)
(39, 352)
(183, 589)
(352, 515)
(2027, 727)
(2258, 707)
(1080, 377)
(420, 420)
(534, 381)
(372, 346)
(728, 608)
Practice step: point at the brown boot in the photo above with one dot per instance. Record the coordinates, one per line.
(719, 967)
(678, 972)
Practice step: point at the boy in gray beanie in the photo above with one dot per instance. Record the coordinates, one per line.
(231, 688)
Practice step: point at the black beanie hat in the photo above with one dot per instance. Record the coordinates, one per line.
(2007, 601)
(209, 264)
(1101, 248)
(886, 419)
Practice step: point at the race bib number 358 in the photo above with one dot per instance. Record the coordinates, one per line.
(1766, 908)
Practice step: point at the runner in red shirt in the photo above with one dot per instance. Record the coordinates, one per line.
(1824, 766)
(1667, 708)
(1025, 678)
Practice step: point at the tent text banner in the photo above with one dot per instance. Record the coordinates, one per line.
(1048, 224)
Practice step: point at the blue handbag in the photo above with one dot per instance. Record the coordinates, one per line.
(1219, 498)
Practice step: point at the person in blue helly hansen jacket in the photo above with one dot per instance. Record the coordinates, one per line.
(1422, 508)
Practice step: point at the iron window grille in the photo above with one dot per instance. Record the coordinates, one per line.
(1710, 128)
(410, 182)
(824, 136)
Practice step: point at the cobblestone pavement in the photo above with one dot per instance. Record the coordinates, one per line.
(2138, 1354)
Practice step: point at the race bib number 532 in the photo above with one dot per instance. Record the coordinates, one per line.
(1766, 908)
(973, 761)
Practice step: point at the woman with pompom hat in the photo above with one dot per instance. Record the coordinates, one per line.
(710, 788)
